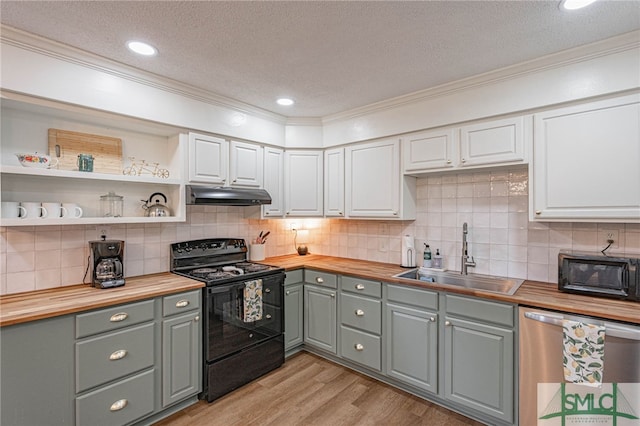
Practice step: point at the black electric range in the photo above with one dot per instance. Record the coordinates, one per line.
(237, 348)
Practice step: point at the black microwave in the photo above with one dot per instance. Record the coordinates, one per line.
(599, 275)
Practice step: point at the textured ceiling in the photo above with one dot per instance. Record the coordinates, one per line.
(330, 56)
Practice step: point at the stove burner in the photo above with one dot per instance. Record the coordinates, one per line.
(219, 275)
(255, 267)
(203, 271)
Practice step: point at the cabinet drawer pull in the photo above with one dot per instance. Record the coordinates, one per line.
(268, 316)
(333, 295)
(319, 280)
(267, 290)
(359, 347)
(538, 212)
(447, 323)
(196, 318)
(182, 303)
(118, 405)
(359, 312)
(120, 316)
(432, 319)
(287, 292)
(119, 354)
(359, 286)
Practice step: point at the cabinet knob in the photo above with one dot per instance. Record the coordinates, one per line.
(340, 213)
(333, 295)
(288, 213)
(447, 323)
(319, 280)
(182, 303)
(538, 212)
(359, 286)
(267, 290)
(448, 161)
(119, 354)
(287, 292)
(118, 405)
(235, 180)
(462, 160)
(432, 319)
(395, 213)
(359, 312)
(266, 213)
(196, 318)
(120, 316)
(359, 347)
(268, 316)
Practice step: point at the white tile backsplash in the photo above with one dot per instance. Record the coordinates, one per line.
(494, 204)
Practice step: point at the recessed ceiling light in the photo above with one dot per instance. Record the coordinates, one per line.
(285, 101)
(142, 48)
(575, 4)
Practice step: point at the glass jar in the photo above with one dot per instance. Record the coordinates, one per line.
(111, 205)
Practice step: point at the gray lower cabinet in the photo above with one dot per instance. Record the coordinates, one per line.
(37, 373)
(479, 355)
(293, 310)
(320, 320)
(181, 347)
(412, 346)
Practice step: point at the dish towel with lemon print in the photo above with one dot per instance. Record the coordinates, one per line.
(583, 352)
(252, 301)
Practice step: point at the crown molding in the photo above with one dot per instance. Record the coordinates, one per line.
(304, 121)
(624, 42)
(43, 46)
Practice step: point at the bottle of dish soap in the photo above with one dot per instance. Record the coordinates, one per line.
(427, 257)
(437, 260)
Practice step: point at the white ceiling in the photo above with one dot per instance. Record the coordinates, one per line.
(330, 56)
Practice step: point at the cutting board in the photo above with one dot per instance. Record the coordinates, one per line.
(107, 151)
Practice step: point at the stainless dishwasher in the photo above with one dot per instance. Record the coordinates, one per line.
(541, 339)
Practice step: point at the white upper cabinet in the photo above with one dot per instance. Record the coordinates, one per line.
(274, 182)
(374, 186)
(586, 162)
(484, 144)
(493, 142)
(246, 165)
(433, 149)
(208, 159)
(334, 182)
(303, 183)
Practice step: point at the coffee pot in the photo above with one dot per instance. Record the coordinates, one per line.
(157, 209)
(107, 257)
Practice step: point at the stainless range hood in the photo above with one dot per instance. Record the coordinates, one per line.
(225, 196)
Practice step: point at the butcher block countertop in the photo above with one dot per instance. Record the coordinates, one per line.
(531, 293)
(34, 305)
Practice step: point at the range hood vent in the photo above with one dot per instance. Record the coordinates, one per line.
(225, 196)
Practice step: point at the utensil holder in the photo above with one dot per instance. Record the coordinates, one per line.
(256, 252)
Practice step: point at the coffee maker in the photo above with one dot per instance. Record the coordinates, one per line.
(107, 260)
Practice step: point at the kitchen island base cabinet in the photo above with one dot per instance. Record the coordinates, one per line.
(320, 320)
(37, 368)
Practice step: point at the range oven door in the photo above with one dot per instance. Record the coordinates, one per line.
(226, 331)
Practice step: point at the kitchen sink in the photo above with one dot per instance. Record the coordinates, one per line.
(472, 281)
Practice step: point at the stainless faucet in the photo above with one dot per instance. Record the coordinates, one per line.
(465, 252)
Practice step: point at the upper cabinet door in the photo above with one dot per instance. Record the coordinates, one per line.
(435, 149)
(274, 182)
(246, 165)
(493, 142)
(208, 159)
(586, 162)
(303, 183)
(373, 179)
(334, 182)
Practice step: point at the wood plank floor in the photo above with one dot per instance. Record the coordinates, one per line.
(309, 390)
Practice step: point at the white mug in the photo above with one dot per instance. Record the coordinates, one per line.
(12, 210)
(32, 210)
(71, 210)
(52, 210)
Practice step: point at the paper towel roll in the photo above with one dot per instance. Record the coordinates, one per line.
(408, 252)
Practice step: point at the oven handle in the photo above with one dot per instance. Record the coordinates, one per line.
(611, 329)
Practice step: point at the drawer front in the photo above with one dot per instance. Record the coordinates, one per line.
(109, 357)
(360, 312)
(117, 404)
(179, 303)
(114, 318)
(360, 347)
(413, 296)
(481, 309)
(293, 277)
(324, 279)
(360, 286)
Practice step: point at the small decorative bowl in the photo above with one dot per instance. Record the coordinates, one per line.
(39, 161)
